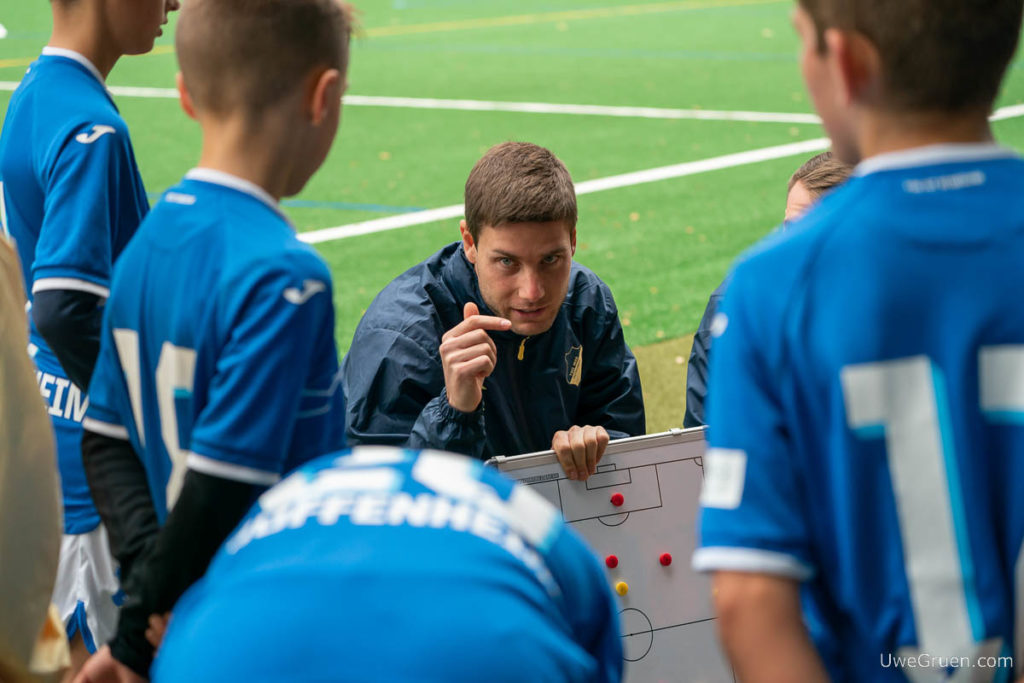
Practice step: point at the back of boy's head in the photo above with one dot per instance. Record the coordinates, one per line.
(937, 55)
(518, 182)
(244, 56)
(821, 173)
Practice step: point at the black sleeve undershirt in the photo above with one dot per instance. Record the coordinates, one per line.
(69, 321)
(117, 481)
(206, 512)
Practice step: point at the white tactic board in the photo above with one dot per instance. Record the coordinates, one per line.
(639, 506)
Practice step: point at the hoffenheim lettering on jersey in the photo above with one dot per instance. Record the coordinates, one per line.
(476, 577)
(63, 398)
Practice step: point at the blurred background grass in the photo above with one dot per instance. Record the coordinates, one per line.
(662, 247)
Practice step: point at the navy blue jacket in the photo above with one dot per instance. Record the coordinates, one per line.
(700, 361)
(579, 372)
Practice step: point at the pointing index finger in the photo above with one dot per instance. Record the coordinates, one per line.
(482, 322)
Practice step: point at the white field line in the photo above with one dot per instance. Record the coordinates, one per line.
(515, 107)
(579, 109)
(587, 187)
(1007, 113)
(542, 107)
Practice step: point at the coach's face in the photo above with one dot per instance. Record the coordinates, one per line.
(523, 270)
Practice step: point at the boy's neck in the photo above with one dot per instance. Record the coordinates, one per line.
(78, 26)
(259, 156)
(883, 132)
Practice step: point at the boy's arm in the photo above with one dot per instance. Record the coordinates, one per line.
(120, 490)
(394, 391)
(207, 510)
(70, 321)
(761, 626)
(93, 203)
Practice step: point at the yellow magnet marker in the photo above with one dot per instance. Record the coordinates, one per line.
(621, 587)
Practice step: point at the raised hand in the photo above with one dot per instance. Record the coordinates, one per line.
(468, 356)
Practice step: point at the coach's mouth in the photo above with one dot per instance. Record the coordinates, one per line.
(530, 313)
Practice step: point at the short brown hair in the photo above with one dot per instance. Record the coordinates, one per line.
(518, 182)
(937, 55)
(248, 54)
(820, 173)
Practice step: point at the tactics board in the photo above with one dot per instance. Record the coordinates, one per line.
(639, 506)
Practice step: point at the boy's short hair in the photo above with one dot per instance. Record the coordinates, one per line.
(821, 173)
(248, 54)
(937, 55)
(518, 182)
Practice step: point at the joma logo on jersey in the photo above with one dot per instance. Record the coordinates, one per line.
(574, 365)
(309, 287)
(95, 134)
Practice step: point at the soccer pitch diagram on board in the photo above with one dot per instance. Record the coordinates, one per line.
(639, 514)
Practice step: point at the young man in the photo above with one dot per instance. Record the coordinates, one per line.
(815, 177)
(866, 397)
(499, 344)
(218, 366)
(72, 197)
(449, 573)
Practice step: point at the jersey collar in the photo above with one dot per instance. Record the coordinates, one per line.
(932, 155)
(74, 56)
(209, 175)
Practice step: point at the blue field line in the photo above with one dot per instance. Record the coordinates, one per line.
(337, 206)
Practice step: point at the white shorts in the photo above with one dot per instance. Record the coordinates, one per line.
(87, 592)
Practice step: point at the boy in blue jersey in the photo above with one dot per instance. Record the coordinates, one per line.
(218, 368)
(71, 198)
(381, 564)
(866, 431)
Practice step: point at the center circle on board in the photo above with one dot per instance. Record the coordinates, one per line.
(637, 634)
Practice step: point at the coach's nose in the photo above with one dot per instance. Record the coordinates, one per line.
(530, 286)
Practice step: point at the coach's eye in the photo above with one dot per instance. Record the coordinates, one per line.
(506, 262)
(550, 259)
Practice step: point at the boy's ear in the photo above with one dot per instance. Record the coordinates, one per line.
(572, 241)
(183, 97)
(856, 63)
(468, 245)
(326, 91)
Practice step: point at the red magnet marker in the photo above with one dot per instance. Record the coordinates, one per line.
(611, 561)
(665, 559)
(618, 499)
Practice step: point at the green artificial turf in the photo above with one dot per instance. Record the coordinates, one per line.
(661, 246)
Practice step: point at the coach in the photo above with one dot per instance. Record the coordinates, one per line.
(498, 343)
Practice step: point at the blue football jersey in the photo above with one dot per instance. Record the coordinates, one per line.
(867, 416)
(381, 564)
(71, 197)
(217, 351)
